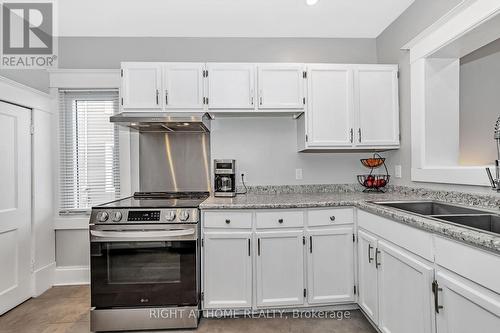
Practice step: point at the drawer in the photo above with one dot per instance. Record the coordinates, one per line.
(227, 220)
(331, 216)
(280, 219)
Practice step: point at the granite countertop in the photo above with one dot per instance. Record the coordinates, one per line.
(365, 201)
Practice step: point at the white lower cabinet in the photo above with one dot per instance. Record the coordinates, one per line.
(394, 287)
(330, 265)
(464, 306)
(227, 270)
(404, 289)
(280, 268)
(367, 275)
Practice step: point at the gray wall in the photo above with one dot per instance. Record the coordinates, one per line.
(479, 104)
(416, 18)
(107, 52)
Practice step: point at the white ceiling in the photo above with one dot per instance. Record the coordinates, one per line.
(228, 18)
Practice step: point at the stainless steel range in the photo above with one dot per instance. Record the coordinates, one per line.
(145, 262)
(145, 249)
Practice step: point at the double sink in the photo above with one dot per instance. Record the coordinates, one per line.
(464, 216)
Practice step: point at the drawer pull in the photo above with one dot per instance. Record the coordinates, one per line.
(228, 221)
(280, 221)
(332, 218)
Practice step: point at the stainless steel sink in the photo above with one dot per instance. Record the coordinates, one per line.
(431, 208)
(473, 218)
(487, 222)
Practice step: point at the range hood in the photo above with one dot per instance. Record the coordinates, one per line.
(189, 122)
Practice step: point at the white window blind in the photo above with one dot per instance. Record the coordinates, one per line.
(89, 149)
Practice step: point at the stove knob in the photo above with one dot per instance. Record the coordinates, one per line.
(170, 216)
(102, 216)
(117, 216)
(183, 215)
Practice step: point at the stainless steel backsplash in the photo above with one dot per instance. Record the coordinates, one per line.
(174, 162)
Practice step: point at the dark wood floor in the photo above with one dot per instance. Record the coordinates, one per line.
(66, 310)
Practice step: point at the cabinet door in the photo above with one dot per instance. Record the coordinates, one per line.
(368, 285)
(404, 282)
(227, 270)
(141, 86)
(467, 307)
(281, 86)
(280, 268)
(231, 86)
(376, 96)
(183, 86)
(330, 106)
(330, 266)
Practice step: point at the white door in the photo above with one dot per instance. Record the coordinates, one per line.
(367, 275)
(227, 270)
(330, 108)
(280, 268)
(231, 86)
(377, 104)
(467, 307)
(183, 83)
(15, 206)
(281, 86)
(330, 266)
(141, 86)
(404, 282)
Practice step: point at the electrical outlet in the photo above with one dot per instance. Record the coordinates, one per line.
(397, 171)
(298, 174)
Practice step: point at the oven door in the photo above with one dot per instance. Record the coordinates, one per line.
(143, 266)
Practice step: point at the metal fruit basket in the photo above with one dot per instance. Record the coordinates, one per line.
(374, 182)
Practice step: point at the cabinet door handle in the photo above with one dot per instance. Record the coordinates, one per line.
(157, 94)
(436, 290)
(228, 221)
(280, 221)
(311, 244)
(377, 263)
(260, 97)
(359, 134)
(370, 258)
(251, 96)
(352, 135)
(258, 246)
(249, 248)
(166, 97)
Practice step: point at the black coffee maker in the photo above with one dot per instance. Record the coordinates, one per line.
(224, 178)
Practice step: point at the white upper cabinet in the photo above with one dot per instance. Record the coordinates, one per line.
(330, 106)
(280, 268)
(231, 86)
(281, 86)
(183, 86)
(350, 107)
(330, 265)
(141, 86)
(377, 105)
(227, 270)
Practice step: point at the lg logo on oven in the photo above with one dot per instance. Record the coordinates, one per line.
(28, 35)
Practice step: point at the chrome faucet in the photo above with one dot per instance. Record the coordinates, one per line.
(495, 182)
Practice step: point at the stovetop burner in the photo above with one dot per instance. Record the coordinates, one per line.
(159, 200)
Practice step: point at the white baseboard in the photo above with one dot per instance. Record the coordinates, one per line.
(43, 279)
(71, 275)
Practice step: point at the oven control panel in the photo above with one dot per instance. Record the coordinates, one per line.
(115, 215)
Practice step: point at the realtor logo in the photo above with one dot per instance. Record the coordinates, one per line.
(27, 35)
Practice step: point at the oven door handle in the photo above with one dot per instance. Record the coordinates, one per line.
(139, 235)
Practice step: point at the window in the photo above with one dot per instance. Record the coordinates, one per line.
(89, 151)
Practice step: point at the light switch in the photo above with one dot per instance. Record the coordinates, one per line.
(397, 171)
(298, 174)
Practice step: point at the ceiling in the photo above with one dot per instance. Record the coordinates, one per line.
(228, 18)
